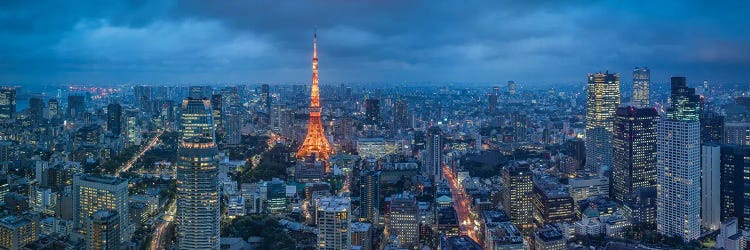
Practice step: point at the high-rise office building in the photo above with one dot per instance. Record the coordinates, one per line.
(275, 195)
(634, 156)
(434, 154)
(372, 111)
(7, 103)
(76, 106)
(114, 119)
(552, 203)
(601, 101)
(369, 195)
(712, 127)
(737, 133)
(678, 165)
(641, 82)
(265, 97)
(197, 178)
(710, 186)
(403, 219)
(93, 193)
(53, 107)
(334, 229)
(520, 126)
(684, 104)
(103, 230)
(217, 109)
(362, 235)
(517, 195)
(512, 87)
(401, 114)
(36, 109)
(735, 184)
(492, 103)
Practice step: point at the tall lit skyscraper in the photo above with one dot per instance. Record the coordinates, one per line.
(369, 196)
(434, 153)
(512, 87)
(517, 195)
(641, 82)
(678, 199)
(601, 101)
(94, 193)
(403, 219)
(634, 158)
(334, 228)
(7, 103)
(197, 178)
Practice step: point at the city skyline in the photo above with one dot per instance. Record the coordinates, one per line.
(190, 42)
(431, 163)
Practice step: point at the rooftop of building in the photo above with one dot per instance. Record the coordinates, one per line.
(111, 180)
(494, 216)
(549, 233)
(459, 242)
(334, 203)
(506, 233)
(13, 221)
(360, 226)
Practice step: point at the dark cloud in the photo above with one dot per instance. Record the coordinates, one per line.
(198, 41)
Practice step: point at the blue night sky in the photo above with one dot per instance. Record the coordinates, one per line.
(170, 41)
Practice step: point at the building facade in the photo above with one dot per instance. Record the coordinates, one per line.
(197, 178)
(678, 161)
(634, 158)
(603, 97)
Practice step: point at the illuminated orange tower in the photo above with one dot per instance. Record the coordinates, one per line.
(315, 141)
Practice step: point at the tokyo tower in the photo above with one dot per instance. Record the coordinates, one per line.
(315, 141)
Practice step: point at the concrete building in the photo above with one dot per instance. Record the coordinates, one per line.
(93, 193)
(333, 220)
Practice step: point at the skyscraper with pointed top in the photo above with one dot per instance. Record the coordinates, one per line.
(315, 142)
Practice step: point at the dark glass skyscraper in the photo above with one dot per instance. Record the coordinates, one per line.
(372, 111)
(400, 114)
(36, 109)
(634, 157)
(735, 184)
(114, 119)
(76, 106)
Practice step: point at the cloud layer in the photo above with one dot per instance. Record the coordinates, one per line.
(193, 41)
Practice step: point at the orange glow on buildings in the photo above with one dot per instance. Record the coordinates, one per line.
(315, 142)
